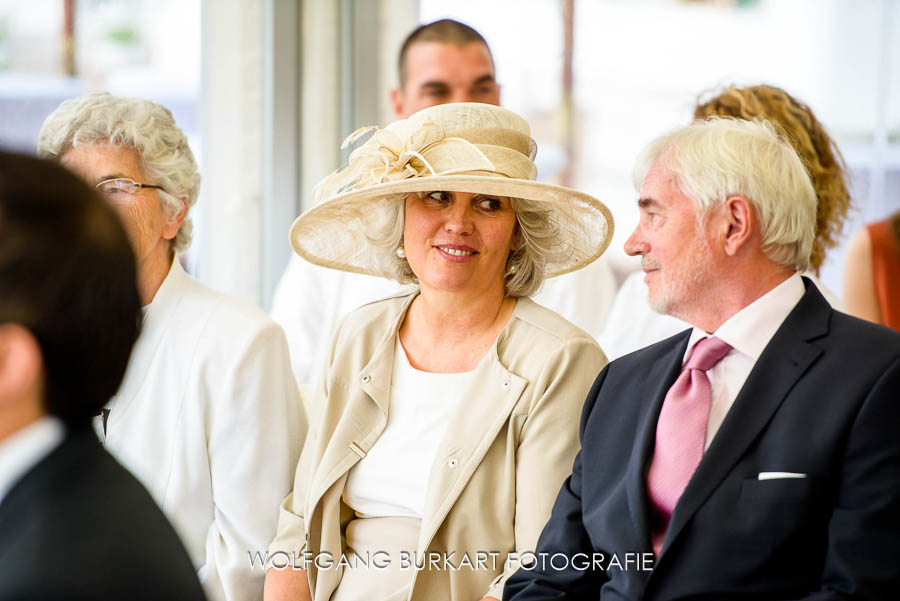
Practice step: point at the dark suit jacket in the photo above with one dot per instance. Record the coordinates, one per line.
(823, 400)
(79, 526)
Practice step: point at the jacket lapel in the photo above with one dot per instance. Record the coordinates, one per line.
(157, 321)
(362, 421)
(783, 362)
(488, 403)
(659, 378)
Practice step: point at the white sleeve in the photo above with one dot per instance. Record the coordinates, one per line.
(310, 302)
(583, 297)
(256, 430)
(299, 306)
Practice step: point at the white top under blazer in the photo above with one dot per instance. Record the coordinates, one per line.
(392, 479)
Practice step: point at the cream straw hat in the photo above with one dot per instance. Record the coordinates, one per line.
(460, 147)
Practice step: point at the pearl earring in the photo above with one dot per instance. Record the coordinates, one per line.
(512, 269)
(401, 252)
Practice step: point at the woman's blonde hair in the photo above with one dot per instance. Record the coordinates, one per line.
(535, 241)
(821, 157)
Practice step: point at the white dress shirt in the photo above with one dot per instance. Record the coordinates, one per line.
(26, 448)
(392, 479)
(748, 332)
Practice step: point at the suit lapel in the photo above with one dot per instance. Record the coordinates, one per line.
(659, 378)
(783, 362)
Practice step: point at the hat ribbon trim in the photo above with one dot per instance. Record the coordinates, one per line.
(386, 157)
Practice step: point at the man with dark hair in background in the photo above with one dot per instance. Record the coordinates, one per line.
(74, 524)
(441, 62)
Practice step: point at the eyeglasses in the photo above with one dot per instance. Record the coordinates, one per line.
(122, 189)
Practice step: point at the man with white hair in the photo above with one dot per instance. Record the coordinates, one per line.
(754, 456)
(208, 416)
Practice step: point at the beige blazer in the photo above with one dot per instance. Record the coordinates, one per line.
(497, 472)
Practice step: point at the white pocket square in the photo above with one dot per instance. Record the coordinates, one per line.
(779, 475)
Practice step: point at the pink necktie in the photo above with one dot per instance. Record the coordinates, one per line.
(681, 435)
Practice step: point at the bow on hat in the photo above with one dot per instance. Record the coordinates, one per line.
(386, 157)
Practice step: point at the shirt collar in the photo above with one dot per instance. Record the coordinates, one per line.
(26, 448)
(168, 287)
(750, 329)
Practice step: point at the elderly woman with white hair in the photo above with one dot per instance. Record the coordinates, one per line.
(208, 416)
(447, 417)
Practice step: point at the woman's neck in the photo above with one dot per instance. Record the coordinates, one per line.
(152, 272)
(446, 332)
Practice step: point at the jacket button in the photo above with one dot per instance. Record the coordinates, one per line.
(453, 462)
(366, 379)
(505, 383)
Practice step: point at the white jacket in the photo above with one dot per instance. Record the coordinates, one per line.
(209, 419)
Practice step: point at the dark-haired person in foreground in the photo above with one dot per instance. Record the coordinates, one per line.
(74, 524)
(754, 456)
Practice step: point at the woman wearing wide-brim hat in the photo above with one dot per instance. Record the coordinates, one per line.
(447, 418)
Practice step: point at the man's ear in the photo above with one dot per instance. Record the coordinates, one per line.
(174, 224)
(21, 364)
(397, 98)
(740, 222)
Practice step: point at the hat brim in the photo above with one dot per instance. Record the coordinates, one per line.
(581, 217)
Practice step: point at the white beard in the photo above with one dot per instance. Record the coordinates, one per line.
(681, 284)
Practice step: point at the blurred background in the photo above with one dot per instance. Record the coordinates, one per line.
(267, 89)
